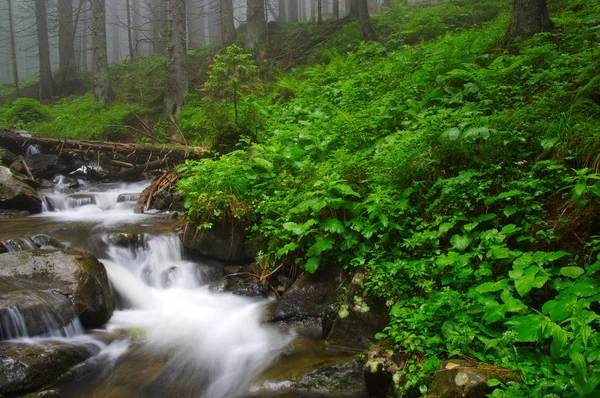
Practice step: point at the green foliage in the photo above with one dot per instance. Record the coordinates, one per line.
(26, 110)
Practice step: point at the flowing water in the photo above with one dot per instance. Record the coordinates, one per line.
(182, 339)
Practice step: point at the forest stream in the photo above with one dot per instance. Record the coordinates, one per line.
(170, 336)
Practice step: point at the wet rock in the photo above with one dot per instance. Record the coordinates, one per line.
(48, 165)
(463, 379)
(44, 394)
(14, 245)
(81, 199)
(7, 157)
(242, 285)
(128, 197)
(45, 184)
(15, 193)
(359, 317)
(13, 213)
(306, 300)
(17, 167)
(43, 241)
(65, 182)
(65, 283)
(382, 364)
(222, 243)
(126, 239)
(27, 367)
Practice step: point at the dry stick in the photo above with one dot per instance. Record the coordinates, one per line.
(180, 132)
(27, 169)
(130, 127)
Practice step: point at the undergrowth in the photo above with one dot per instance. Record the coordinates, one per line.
(462, 176)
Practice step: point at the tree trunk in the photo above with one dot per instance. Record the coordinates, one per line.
(313, 10)
(13, 49)
(528, 18)
(319, 12)
(102, 89)
(129, 31)
(387, 3)
(293, 10)
(159, 23)
(281, 11)
(227, 26)
(135, 20)
(196, 24)
(66, 40)
(255, 26)
(176, 86)
(46, 81)
(336, 10)
(114, 24)
(353, 10)
(214, 20)
(365, 21)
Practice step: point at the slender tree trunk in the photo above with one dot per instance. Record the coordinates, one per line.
(46, 81)
(214, 20)
(256, 26)
(365, 21)
(293, 10)
(336, 10)
(159, 25)
(129, 30)
(196, 24)
(102, 88)
(113, 22)
(227, 26)
(281, 11)
(176, 86)
(313, 10)
(352, 10)
(319, 12)
(135, 20)
(13, 49)
(528, 18)
(66, 40)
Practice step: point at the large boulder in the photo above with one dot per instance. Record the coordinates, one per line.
(359, 317)
(27, 367)
(48, 165)
(304, 304)
(6, 157)
(61, 284)
(15, 193)
(464, 379)
(220, 242)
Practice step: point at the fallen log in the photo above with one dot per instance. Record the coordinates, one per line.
(135, 154)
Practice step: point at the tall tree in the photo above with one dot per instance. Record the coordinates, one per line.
(227, 26)
(214, 20)
(102, 88)
(281, 11)
(365, 21)
(528, 18)
(129, 30)
(46, 81)
(67, 65)
(196, 23)
(159, 23)
(293, 10)
(13, 49)
(176, 85)
(352, 9)
(256, 26)
(336, 10)
(319, 12)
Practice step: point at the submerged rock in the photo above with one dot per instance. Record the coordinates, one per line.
(26, 367)
(64, 283)
(16, 193)
(126, 239)
(463, 379)
(65, 182)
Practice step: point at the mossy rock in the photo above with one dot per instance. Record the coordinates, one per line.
(591, 90)
(26, 367)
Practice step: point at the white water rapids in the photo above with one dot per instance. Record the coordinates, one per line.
(217, 341)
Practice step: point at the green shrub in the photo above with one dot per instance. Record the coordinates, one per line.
(27, 110)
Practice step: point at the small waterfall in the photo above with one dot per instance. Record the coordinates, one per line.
(12, 324)
(217, 341)
(15, 245)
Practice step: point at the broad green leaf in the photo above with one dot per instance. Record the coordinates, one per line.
(450, 134)
(485, 217)
(311, 265)
(556, 309)
(524, 284)
(265, 164)
(345, 190)
(476, 132)
(299, 229)
(471, 226)
(580, 365)
(492, 286)
(553, 256)
(523, 261)
(286, 249)
(333, 225)
(496, 253)
(509, 194)
(315, 204)
(509, 210)
(445, 227)
(578, 191)
(494, 313)
(572, 272)
(559, 341)
(383, 219)
(510, 229)
(460, 242)
(548, 143)
(529, 327)
(320, 246)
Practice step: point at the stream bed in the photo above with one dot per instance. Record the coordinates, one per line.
(170, 335)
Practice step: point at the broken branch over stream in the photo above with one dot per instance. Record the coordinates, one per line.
(132, 159)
